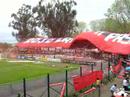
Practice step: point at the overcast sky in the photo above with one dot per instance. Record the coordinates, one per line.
(87, 10)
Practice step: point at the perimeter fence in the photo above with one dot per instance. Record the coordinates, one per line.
(52, 85)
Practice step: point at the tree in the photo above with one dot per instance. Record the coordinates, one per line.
(56, 18)
(97, 25)
(81, 26)
(120, 14)
(109, 24)
(23, 23)
(113, 25)
(118, 18)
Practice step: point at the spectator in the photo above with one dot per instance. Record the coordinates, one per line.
(113, 89)
(125, 84)
(98, 81)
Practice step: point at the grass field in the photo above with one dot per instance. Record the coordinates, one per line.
(11, 72)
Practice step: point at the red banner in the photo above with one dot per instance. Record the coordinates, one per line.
(45, 42)
(105, 41)
(87, 80)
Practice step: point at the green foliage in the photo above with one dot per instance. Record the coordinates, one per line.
(119, 10)
(80, 28)
(56, 18)
(23, 23)
(97, 25)
(114, 26)
(119, 16)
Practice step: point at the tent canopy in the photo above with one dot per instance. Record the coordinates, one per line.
(105, 41)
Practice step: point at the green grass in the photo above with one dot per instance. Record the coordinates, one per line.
(12, 72)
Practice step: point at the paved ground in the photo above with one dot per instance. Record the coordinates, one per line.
(106, 88)
(105, 92)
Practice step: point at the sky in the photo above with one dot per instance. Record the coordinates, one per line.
(87, 10)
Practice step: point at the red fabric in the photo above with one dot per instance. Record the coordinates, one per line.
(105, 41)
(117, 68)
(63, 90)
(88, 91)
(118, 96)
(56, 84)
(120, 77)
(46, 42)
(82, 82)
